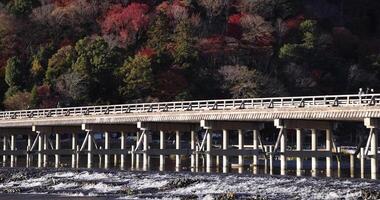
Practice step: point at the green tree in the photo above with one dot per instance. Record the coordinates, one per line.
(137, 78)
(21, 7)
(34, 98)
(159, 33)
(98, 62)
(14, 76)
(184, 53)
(60, 63)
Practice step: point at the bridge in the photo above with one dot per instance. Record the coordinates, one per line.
(193, 123)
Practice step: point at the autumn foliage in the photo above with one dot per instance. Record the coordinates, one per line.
(126, 24)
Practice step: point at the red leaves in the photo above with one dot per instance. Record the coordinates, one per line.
(125, 23)
(234, 28)
(147, 52)
(294, 23)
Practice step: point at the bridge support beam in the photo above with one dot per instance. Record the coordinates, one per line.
(299, 148)
(314, 159)
(329, 149)
(373, 125)
(89, 150)
(162, 147)
(226, 164)
(193, 139)
(106, 147)
(146, 157)
(5, 147)
(57, 147)
(178, 147)
(28, 148)
(73, 148)
(241, 147)
(138, 136)
(313, 126)
(122, 147)
(12, 145)
(225, 126)
(255, 147)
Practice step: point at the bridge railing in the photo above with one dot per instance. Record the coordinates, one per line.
(202, 105)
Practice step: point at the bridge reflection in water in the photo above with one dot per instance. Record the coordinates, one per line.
(214, 135)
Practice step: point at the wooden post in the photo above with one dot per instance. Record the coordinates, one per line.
(299, 148)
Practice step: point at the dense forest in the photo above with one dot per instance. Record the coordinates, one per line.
(87, 52)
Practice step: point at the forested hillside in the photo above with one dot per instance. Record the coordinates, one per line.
(86, 52)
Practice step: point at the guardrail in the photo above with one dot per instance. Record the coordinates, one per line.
(203, 105)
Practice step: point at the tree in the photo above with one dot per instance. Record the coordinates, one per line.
(21, 7)
(34, 98)
(137, 78)
(73, 88)
(125, 25)
(242, 82)
(184, 52)
(256, 30)
(14, 73)
(60, 63)
(98, 61)
(18, 101)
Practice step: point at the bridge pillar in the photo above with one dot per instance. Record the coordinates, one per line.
(193, 138)
(57, 148)
(73, 148)
(145, 149)
(255, 147)
(226, 164)
(299, 148)
(240, 147)
(283, 159)
(178, 147)
(314, 160)
(352, 165)
(45, 147)
(106, 147)
(39, 159)
(329, 149)
(89, 149)
(28, 147)
(162, 147)
(362, 162)
(138, 135)
(122, 147)
(374, 125)
(12, 150)
(5, 141)
(209, 159)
